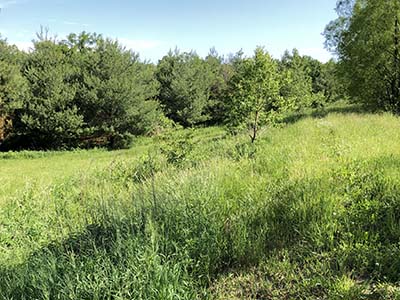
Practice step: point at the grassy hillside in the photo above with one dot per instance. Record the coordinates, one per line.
(18, 169)
(312, 211)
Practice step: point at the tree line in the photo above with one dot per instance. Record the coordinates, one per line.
(90, 91)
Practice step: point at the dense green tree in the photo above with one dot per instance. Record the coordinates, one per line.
(331, 83)
(366, 39)
(84, 91)
(255, 97)
(13, 87)
(186, 82)
(297, 85)
(90, 91)
(50, 117)
(222, 71)
(12, 84)
(115, 90)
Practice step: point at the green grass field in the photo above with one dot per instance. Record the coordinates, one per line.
(311, 211)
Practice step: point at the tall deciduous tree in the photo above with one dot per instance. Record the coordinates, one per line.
(366, 38)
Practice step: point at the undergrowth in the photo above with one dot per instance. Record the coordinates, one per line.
(305, 213)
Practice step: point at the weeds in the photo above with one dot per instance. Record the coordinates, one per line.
(285, 220)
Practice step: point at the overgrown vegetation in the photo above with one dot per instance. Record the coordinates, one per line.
(305, 212)
(308, 207)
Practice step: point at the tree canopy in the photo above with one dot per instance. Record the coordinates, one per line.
(366, 39)
(84, 91)
(255, 92)
(89, 91)
(186, 82)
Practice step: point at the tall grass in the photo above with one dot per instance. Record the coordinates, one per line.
(311, 211)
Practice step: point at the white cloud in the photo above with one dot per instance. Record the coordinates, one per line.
(139, 45)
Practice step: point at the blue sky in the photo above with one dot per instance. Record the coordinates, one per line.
(152, 27)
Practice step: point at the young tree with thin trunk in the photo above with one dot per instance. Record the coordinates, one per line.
(255, 98)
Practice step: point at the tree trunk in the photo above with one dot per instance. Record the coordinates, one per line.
(5, 127)
(255, 127)
(2, 128)
(396, 78)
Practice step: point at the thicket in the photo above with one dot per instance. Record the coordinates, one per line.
(89, 91)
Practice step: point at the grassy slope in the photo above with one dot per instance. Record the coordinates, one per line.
(18, 169)
(311, 212)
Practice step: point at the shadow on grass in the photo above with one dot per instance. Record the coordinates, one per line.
(104, 257)
(58, 269)
(341, 108)
(388, 162)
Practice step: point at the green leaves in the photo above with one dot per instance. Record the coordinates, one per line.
(50, 117)
(255, 92)
(116, 91)
(13, 87)
(186, 82)
(89, 91)
(296, 85)
(366, 38)
(85, 91)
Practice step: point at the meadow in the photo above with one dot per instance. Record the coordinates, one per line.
(310, 211)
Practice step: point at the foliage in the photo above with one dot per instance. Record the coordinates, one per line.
(297, 85)
(84, 91)
(185, 81)
(178, 148)
(332, 85)
(88, 91)
(50, 117)
(366, 38)
(222, 72)
(13, 88)
(115, 90)
(307, 81)
(255, 98)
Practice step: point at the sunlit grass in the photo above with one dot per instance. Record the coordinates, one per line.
(311, 211)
